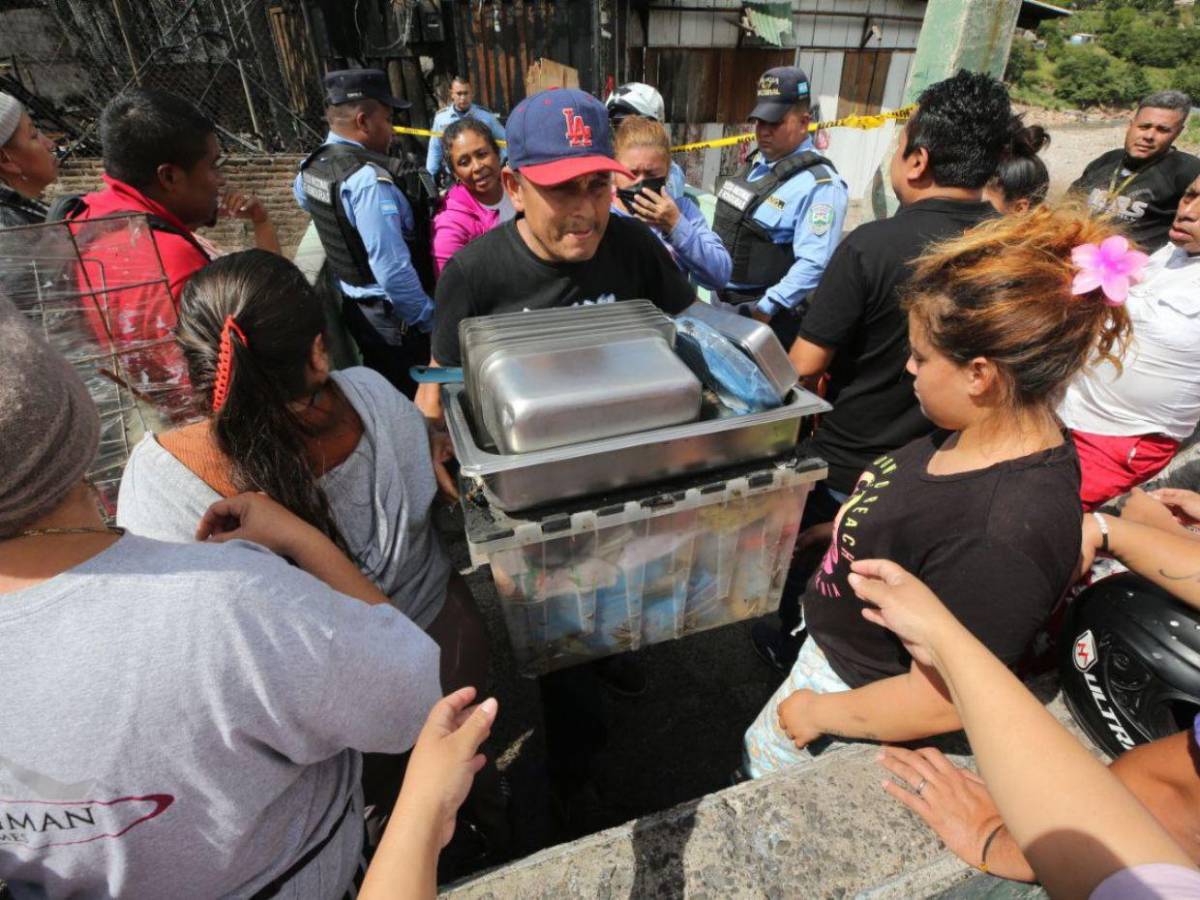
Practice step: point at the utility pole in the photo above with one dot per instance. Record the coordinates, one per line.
(957, 34)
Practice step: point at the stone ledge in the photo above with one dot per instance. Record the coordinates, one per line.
(823, 829)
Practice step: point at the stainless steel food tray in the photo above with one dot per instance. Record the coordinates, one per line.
(478, 334)
(523, 481)
(537, 398)
(754, 338)
(484, 352)
(558, 314)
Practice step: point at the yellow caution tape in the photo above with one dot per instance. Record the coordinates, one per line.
(424, 132)
(872, 121)
(715, 142)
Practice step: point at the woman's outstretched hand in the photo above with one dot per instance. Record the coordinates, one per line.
(900, 602)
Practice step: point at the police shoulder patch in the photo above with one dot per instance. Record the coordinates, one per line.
(820, 218)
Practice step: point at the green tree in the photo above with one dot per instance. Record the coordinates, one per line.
(1130, 83)
(1022, 59)
(1116, 19)
(1086, 76)
(1051, 32)
(1150, 45)
(1187, 79)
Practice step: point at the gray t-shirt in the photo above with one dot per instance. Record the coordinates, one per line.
(183, 720)
(380, 496)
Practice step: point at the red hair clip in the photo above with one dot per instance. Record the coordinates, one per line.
(225, 362)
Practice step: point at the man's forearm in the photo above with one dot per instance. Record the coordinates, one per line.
(320, 557)
(797, 284)
(429, 398)
(1172, 561)
(894, 709)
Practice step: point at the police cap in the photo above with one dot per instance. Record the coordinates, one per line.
(349, 85)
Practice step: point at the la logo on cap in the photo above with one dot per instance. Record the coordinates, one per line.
(579, 134)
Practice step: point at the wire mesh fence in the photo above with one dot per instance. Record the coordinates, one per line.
(249, 65)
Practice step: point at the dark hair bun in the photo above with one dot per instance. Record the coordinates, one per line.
(1028, 140)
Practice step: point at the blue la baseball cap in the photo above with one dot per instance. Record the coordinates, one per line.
(560, 134)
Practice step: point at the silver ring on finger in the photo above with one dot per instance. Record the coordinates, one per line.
(920, 787)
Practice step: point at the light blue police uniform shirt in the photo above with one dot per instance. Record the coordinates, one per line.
(693, 245)
(380, 213)
(444, 118)
(808, 215)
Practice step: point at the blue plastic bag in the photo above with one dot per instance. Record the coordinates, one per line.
(722, 367)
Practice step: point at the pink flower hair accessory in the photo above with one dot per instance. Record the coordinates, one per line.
(1110, 265)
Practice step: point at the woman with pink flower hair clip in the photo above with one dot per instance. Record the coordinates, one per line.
(985, 510)
(1128, 420)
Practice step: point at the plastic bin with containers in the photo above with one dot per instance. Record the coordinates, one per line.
(637, 516)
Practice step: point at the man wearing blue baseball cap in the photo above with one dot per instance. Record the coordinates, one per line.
(781, 216)
(355, 193)
(562, 249)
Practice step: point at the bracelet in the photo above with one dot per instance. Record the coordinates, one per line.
(983, 866)
(1102, 524)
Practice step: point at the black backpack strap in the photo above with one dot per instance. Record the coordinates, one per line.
(157, 223)
(72, 206)
(794, 165)
(68, 206)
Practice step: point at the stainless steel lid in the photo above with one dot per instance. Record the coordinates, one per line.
(550, 394)
(480, 336)
(574, 338)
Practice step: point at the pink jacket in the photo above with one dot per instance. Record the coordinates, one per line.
(460, 220)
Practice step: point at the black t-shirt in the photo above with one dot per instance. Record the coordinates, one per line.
(998, 545)
(855, 310)
(1146, 204)
(498, 273)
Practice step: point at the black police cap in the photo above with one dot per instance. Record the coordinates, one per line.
(348, 85)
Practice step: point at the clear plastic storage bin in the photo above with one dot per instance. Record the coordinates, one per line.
(648, 567)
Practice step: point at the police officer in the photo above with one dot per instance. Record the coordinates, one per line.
(367, 226)
(460, 107)
(781, 216)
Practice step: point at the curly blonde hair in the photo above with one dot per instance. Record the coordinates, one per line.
(1002, 291)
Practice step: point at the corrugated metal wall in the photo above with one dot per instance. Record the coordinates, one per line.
(706, 68)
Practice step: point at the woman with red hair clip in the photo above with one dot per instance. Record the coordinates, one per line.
(344, 451)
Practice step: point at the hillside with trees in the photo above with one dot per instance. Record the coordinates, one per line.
(1133, 47)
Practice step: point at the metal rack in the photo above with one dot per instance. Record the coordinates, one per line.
(82, 283)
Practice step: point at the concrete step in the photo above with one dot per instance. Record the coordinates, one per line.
(822, 829)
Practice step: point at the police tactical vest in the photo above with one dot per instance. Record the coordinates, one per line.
(321, 178)
(756, 259)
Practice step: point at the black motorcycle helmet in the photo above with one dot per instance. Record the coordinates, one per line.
(1129, 662)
